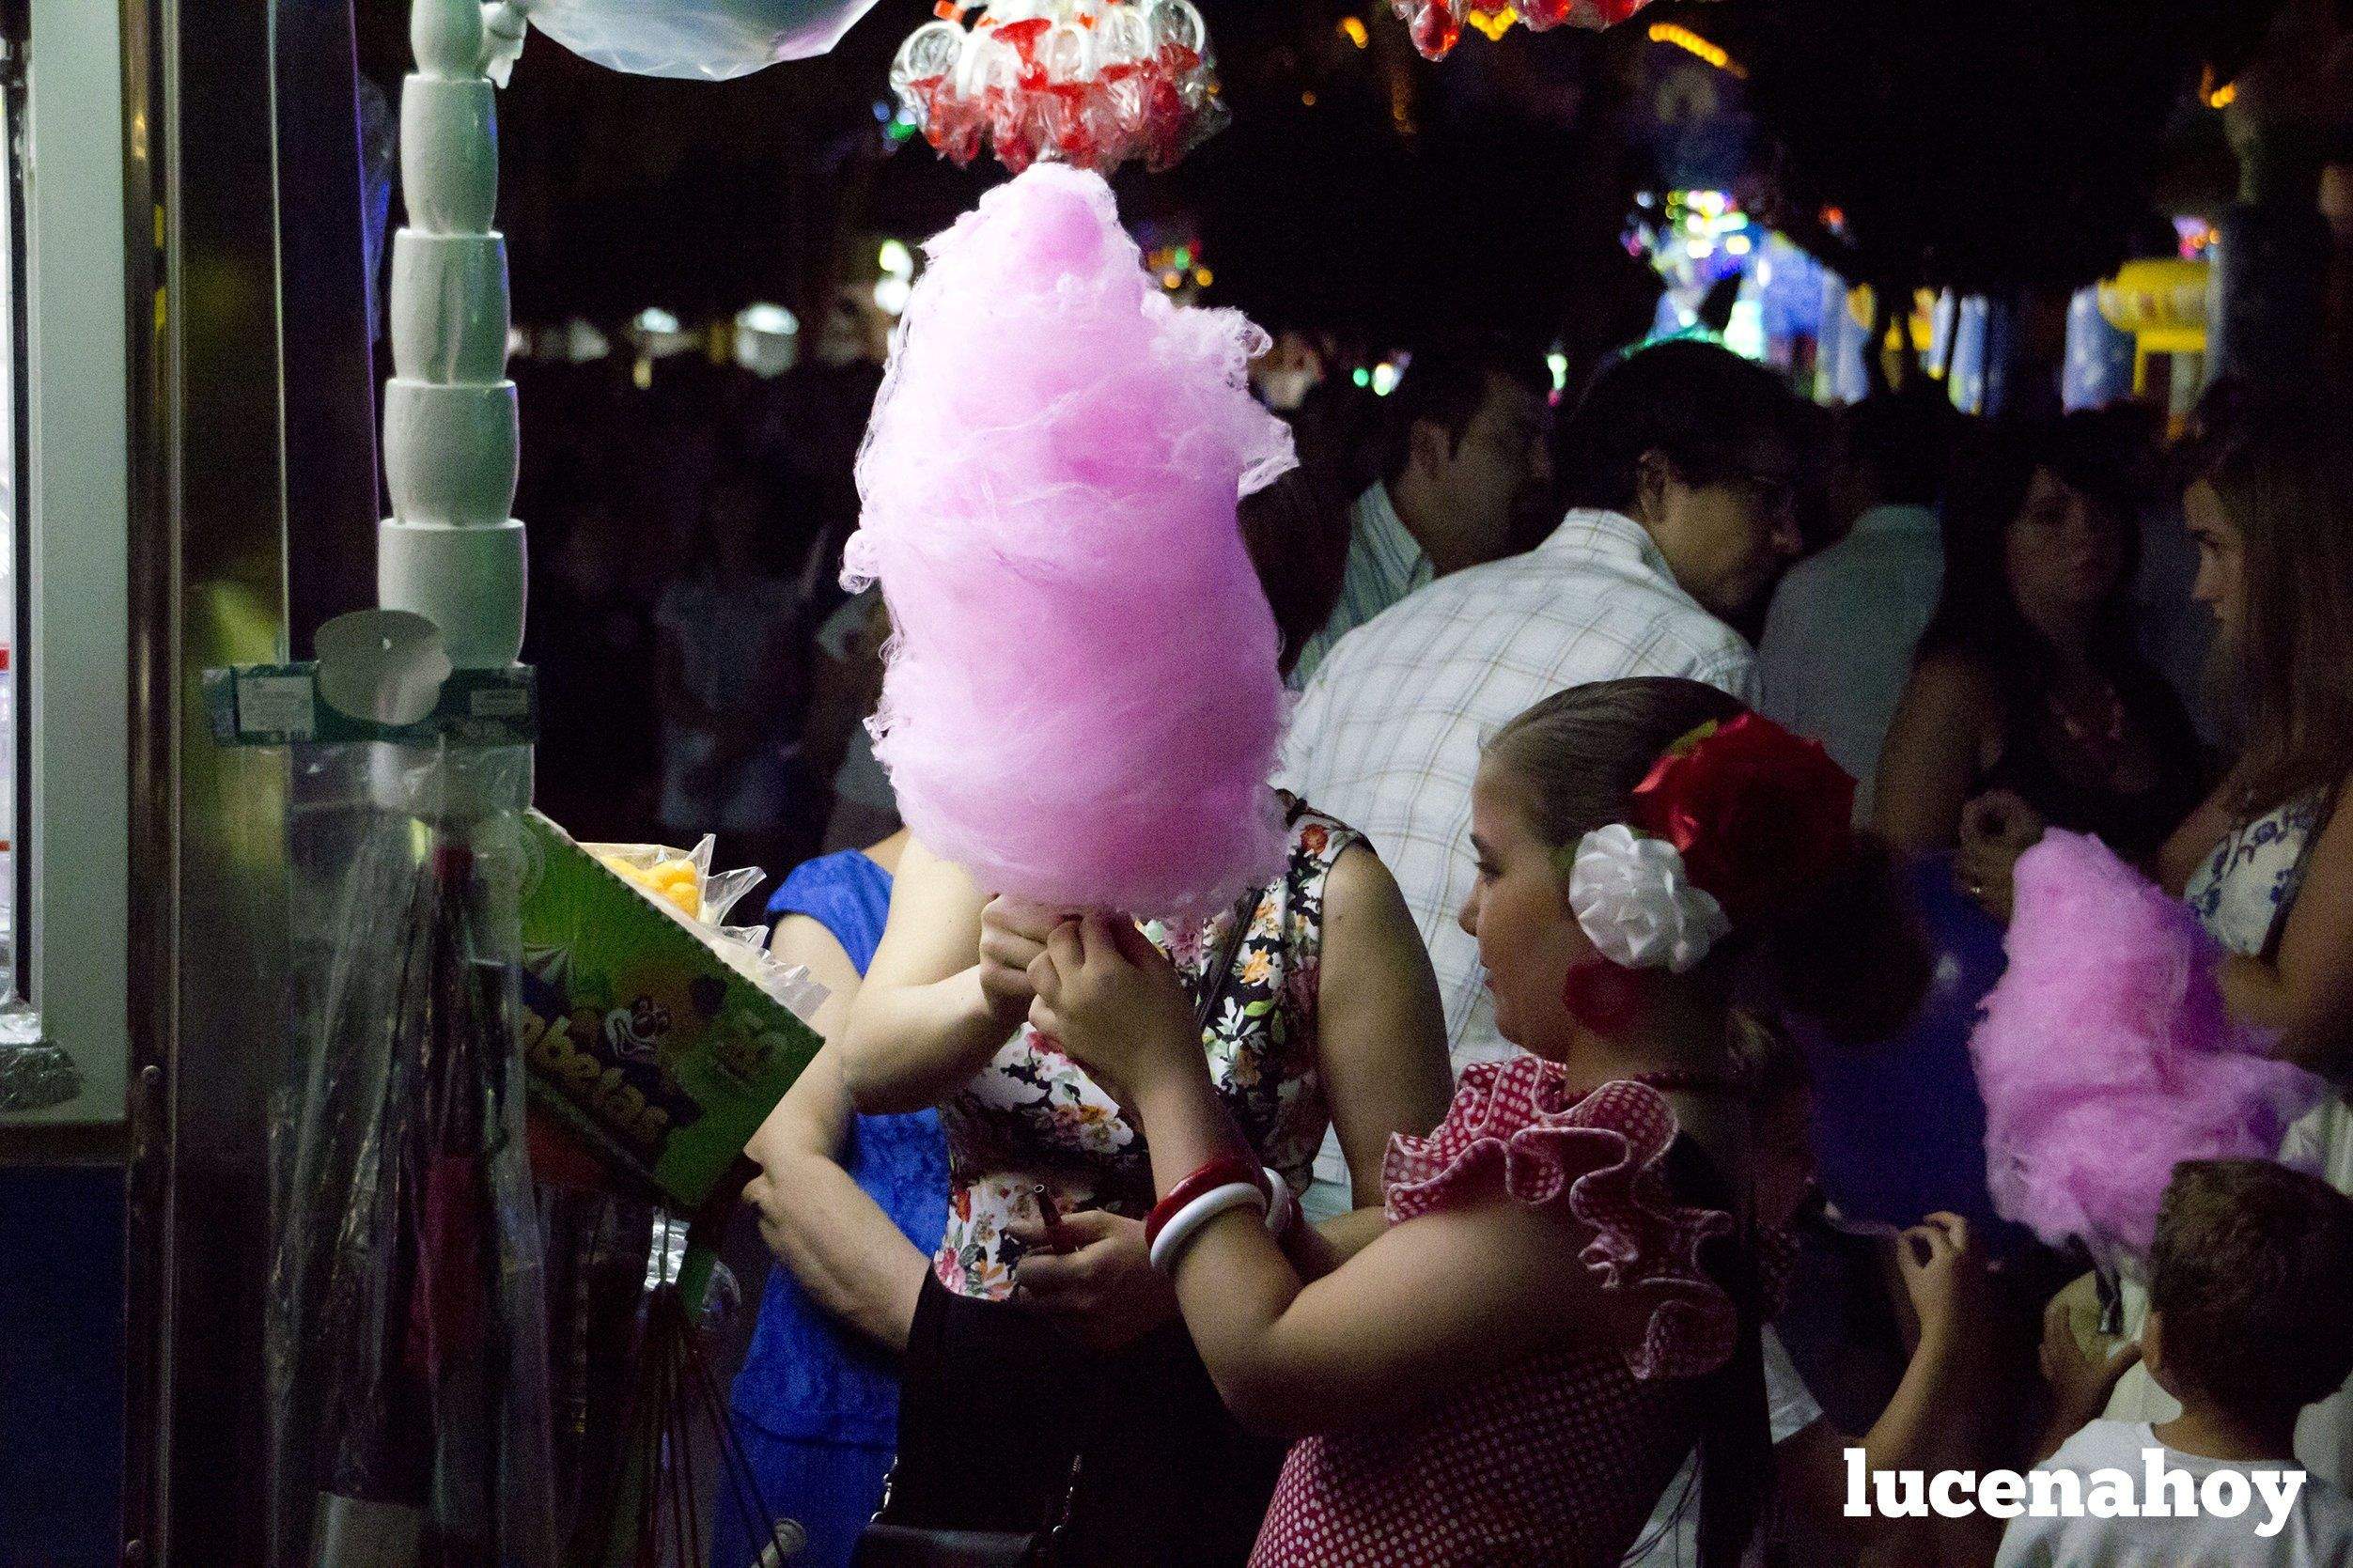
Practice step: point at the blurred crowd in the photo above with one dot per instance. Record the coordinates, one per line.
(1997, 628)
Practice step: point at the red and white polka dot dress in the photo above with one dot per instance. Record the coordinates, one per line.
(1558, 1458)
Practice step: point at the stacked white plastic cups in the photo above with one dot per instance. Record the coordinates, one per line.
(450, 551)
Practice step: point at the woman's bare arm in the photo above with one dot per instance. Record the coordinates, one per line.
(1934, 751)
(1421, 1307)
(1381, 1034)
(2307, 995)
(838, 1243)
(2195, 839)
(1426, 1302)
(923, 1023)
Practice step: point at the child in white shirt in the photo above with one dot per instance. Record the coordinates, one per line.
(2248, 1286)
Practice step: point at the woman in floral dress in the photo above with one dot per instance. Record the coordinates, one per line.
(1568, 1294)
(1320, 1012)
(2268, 861)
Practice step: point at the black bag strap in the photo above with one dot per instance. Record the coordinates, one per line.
(1213, 978)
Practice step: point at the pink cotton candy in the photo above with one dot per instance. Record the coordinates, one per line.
(2106, 1058)
(1080, 706)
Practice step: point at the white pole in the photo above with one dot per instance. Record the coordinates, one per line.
(450, 551)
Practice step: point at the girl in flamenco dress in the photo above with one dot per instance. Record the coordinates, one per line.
(1569, 1289)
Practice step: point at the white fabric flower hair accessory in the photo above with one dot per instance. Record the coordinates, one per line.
(1632, 896)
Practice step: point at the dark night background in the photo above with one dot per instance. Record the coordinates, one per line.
(1989, 145)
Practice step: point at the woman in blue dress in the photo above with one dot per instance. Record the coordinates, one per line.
(817, 1403)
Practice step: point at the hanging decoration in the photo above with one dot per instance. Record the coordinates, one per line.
(1437, 24)
(1094, 83)
(708, 40)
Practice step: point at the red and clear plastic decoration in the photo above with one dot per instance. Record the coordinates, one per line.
(1437, 24)
(1094, 83)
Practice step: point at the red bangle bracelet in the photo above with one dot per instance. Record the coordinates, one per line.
(1222, 1171)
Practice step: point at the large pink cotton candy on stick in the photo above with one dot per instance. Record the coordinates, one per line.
(1081, 704)
(2106, 1058)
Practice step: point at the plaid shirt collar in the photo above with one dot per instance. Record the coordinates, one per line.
(1616, 537)
(1395, 557)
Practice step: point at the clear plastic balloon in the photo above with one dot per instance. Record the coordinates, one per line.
(1437, 26)
(714, 39)
(1089, 82)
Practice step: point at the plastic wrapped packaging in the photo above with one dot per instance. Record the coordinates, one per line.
(1435, 26)
(656, 1039)
(681, 883)
(405, 1337)
(34, 1073)
(714, 39)
(1094, 83)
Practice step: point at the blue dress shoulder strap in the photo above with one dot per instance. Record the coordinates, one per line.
(848, 893)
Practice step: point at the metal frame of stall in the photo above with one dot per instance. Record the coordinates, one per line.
(200, 465)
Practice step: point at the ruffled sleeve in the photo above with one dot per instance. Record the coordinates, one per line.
(1513, 1133)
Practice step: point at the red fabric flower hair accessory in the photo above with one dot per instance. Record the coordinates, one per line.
(1758, 814)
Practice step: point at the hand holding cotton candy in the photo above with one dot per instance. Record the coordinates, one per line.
(1081, 704)
(2106, 1058)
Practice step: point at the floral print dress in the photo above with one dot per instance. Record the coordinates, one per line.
(2243, 892)
(1033, 1116)
(2254, 873)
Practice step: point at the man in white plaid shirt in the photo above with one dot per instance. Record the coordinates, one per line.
(1682, 461)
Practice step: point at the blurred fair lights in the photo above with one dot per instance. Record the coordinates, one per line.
(897, 125)
(578, 342)
(1691, 43)
(767, 339)
(1353, 30)
(1385, 376)
(1744, 333)
(771, 319)
(1698, 240)
(1557, 363)
(1703, 222)
(1179, 264)
(654, 321)
(897, 285)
